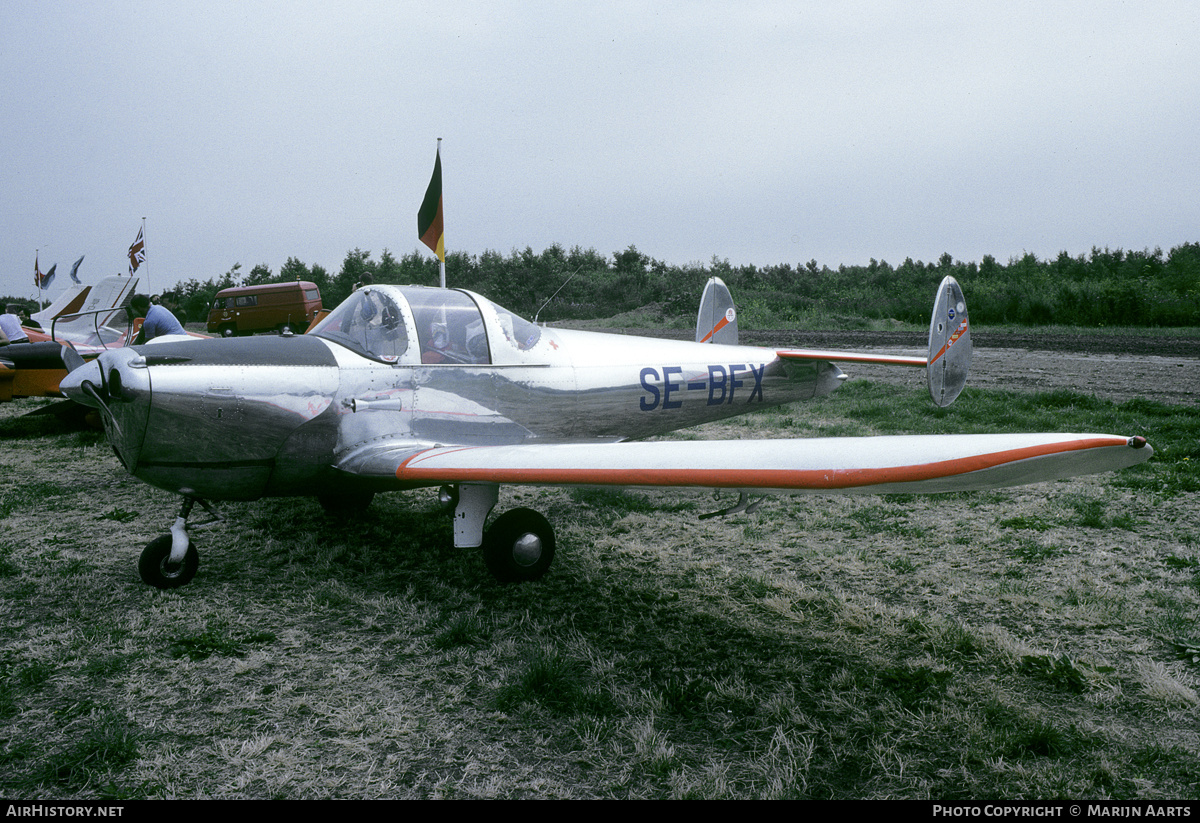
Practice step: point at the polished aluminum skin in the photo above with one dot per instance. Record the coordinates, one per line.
(412, 367)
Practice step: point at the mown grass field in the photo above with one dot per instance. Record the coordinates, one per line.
(1029, 643)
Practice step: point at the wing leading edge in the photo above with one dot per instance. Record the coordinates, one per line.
(866, 465)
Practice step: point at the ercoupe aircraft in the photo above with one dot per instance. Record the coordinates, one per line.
(410, 387)
(82, 316)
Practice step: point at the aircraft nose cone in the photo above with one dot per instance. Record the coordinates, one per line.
(118, 384)
(72, 384)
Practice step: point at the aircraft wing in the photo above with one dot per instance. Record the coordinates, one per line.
(866, 465)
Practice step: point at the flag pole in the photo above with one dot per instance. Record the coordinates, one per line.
(430, 222)
(37, 277)
(442, 259)
(148, 292)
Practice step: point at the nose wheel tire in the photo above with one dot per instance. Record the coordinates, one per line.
(519, 546)
(157, 570)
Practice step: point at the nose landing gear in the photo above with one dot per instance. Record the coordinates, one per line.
(157, 569)
(170, 561)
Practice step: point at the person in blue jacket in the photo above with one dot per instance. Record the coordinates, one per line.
(159, 320)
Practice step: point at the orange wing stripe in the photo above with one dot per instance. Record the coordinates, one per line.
(744, 478)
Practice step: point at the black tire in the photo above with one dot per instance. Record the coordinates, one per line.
(519, 546)
(157, 572)
(345, 503)
(448, 498)
(229, 331)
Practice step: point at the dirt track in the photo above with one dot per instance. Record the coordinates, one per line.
(1118, 368)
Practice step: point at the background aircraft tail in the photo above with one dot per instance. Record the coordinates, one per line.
(717, 319)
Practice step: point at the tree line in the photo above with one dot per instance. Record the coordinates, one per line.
(1103, 288)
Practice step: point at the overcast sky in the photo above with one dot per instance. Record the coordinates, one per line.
(756, 132)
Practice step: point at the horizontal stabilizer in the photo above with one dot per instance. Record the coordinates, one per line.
(867, 465)
(851, 357)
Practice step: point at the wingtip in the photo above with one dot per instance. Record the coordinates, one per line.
(1142, 446)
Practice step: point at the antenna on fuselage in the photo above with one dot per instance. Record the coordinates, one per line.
(556, 291)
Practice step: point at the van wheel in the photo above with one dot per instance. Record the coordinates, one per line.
(229, 331)
(284, 328)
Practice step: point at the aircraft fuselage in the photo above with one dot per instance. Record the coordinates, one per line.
(246, 418)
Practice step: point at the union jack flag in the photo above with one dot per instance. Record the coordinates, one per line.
(137, 253)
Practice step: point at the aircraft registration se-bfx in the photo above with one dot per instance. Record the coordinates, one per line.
(410, 387)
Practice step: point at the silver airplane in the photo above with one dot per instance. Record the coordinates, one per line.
(404, 387)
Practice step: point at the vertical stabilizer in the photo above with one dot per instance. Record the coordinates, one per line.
(112, 292)
(717, 320)
(70, 300)
(949, 344)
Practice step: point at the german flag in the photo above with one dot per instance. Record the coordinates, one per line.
(429, 216)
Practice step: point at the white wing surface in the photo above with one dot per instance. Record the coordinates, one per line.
(867, 465)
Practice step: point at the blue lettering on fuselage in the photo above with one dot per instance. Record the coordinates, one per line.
(721, 383)
(650, 404)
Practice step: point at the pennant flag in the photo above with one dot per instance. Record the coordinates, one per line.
(429, 216)
(75, 269)
(137, 253)
(43, 281)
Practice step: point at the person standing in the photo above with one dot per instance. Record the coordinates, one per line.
(10, 326)
(158, 320)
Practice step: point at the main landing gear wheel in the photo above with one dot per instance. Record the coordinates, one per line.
(519, 546)
(448, 499)
(157, 570)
